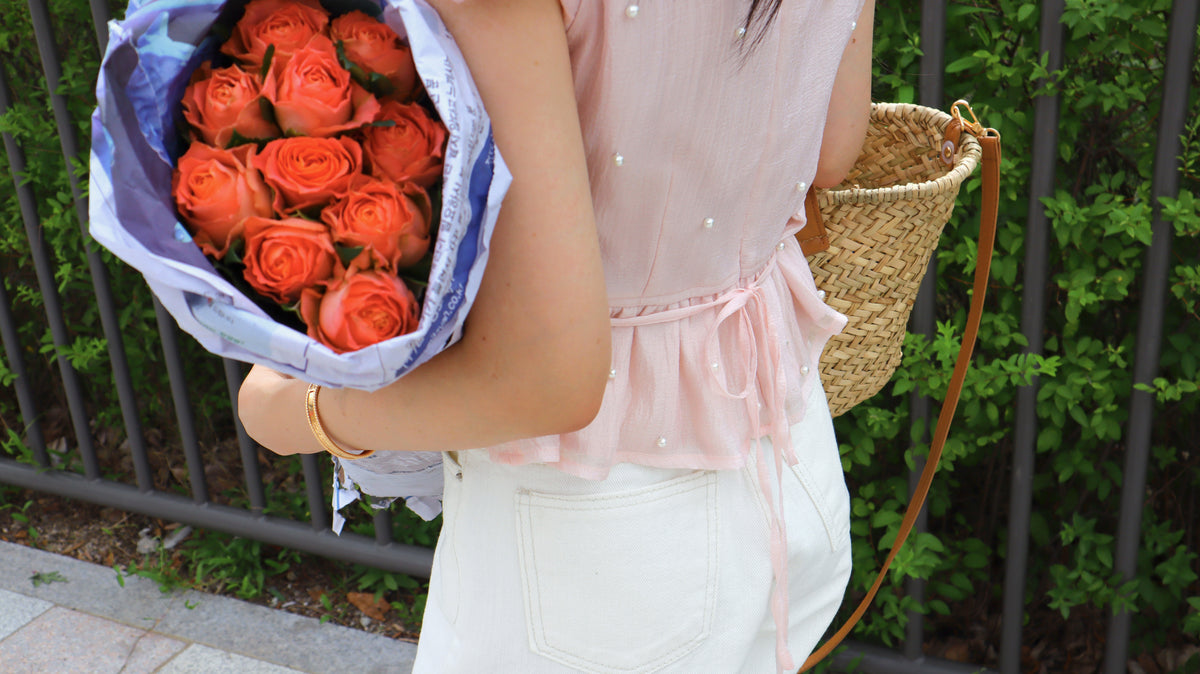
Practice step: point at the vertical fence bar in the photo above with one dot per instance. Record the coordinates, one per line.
(247, 447)
(1176, 79)
(1033, 308)
(383, 526)
(924, 319)
(49, 291)
(47, 50)
(316, 496)
(25, 398)
(100, 17)
(183, 404)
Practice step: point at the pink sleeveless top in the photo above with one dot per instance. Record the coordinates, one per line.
(700, 152)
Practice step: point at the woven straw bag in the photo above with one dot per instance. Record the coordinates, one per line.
(882, 224)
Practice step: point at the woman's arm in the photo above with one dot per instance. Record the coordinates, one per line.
(850, 105)
(535, 351)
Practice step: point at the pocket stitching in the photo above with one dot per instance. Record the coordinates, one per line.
(535, 626)
(800, 470)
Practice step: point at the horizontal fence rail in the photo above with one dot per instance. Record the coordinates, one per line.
(199, 508)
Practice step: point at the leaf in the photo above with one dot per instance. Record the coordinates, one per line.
(961, 64)
(373, 607)
(348, 253)
(39, 578)
(380, 85)
(268, 56)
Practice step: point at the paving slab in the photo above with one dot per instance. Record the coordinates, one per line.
(16, 610)
(199, 659)
(229, 625)
(70, 642)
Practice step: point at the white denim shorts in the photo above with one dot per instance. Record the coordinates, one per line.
(649, 570)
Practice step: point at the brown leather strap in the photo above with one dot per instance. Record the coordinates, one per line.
(813, 238)
(990, 141)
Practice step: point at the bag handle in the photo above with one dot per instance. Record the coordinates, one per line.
(989, 140)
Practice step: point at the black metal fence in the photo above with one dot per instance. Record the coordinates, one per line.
(382, 552)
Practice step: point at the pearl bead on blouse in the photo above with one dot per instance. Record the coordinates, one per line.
(612, 374)
(821, 294)
(804, 369)
(801, 186)
(708, 223)
(741, 31)
(661, 442)
(631, 11)
(780, 246)
(618, 159)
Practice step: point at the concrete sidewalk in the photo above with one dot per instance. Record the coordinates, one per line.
(77, 618)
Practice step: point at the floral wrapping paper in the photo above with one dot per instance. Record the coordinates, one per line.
(136, 142)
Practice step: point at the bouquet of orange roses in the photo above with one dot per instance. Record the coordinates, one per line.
(308, 185)
(309, 170)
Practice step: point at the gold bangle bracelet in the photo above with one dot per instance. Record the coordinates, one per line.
(318, 431)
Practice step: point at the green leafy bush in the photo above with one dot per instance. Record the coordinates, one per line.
(1100, 219)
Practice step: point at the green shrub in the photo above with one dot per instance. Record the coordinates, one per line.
(1100, 218)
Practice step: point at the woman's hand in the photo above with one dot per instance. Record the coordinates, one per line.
(271, 407)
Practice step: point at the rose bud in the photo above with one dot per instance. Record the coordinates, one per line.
(219, 102)
(358, 310)
(215, 190)
(375, 47)
(286, 24)
(315, 96)
(410, 149)
(309, 172)
(391, 222)
(283, 257)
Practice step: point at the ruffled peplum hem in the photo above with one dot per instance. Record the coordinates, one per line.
(686, 375)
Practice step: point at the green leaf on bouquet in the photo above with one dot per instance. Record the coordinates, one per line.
(380, 85)
(356, 71)
(268, 56)
(238, 139)
(348, 253)
(383, 123)
(234, 254)
(373, 82)
(268, 110)
(417, 274)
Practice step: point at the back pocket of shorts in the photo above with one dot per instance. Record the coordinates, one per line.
(620, 582)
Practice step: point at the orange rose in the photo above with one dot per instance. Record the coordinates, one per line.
(314, 95)
(287, 24)
(393, 225)
(283, 257)
(219, 102)
(309, 172)
(358, 310)
(215, 190)
(375, 47)
(411, 149)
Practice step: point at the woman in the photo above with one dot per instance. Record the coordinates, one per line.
(662, 489)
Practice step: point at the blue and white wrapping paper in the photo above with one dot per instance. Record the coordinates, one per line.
(150, 57)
